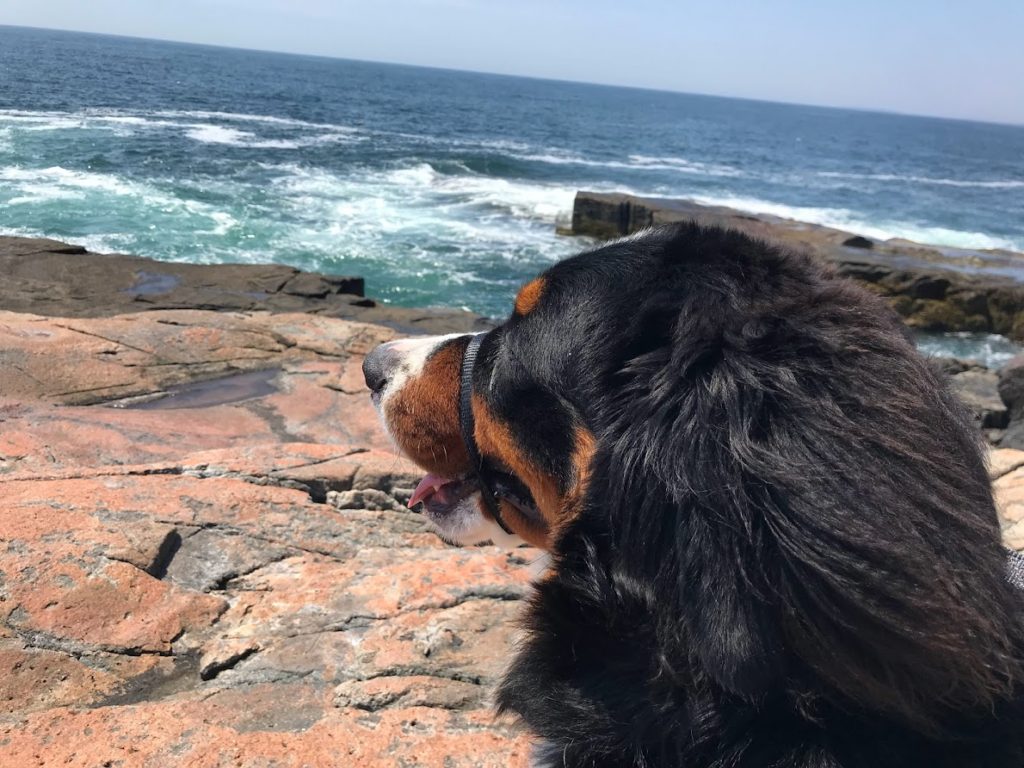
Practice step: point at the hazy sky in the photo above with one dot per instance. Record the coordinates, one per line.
(936, 57)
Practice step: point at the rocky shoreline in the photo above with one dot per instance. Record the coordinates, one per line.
(48, 277)
(207, 559)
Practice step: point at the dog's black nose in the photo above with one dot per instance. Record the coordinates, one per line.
(377, 367)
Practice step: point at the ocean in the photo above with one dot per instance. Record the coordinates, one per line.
(440, 187)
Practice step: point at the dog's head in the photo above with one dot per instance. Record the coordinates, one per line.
(733, 441)
(528, 395)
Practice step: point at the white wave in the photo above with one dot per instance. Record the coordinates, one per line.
(989, 349)
(841, 218)
(218, 134)
(121, 125)
(24, 116)
(106, 243)
(506, 145)
(223, 222)
(145, 117)
(987, 184)
(62, 179)
(246, 118)
(86, 191)
(45, 193)
(126, 124)
(685, 166)
(422, 185)
(635, 163)
(413, 218)
(523, 199)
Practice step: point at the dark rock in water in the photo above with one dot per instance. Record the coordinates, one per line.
(47, 277)
(1011, 386)
(933, 288)
(858, 241)
(951, 366)
(979, 391)
(1011, 391)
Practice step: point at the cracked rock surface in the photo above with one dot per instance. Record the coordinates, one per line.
(205, 558)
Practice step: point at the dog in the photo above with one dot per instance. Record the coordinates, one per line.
(772, 537)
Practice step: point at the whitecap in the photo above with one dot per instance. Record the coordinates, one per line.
(218, 134)
(633, 163)
(223, 222)
(910, 179)
(57, 177)
(247, 118)
(685, 166)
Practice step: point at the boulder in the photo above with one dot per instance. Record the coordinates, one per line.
(1011, 391)
(978, 389)
(1011, 387)
(1008, 486)
(858, 241)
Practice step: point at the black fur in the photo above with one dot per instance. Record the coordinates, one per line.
(788, 556)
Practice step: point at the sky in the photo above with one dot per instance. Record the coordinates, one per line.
(948, 58)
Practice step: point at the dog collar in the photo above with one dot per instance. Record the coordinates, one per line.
(467, 425)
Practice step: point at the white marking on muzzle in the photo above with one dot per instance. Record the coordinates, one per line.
(412, 355)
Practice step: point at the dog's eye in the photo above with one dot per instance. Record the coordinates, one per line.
(506, 485)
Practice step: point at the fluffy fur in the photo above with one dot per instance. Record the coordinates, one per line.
(787, 555)
(772, 535)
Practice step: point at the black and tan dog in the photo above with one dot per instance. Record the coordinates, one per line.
(773, 541)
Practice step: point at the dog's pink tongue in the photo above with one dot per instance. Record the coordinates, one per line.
(428, 486)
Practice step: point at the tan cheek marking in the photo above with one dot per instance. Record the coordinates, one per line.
(572, 507)
(494, 437)
(424, 418)
(529, 296)
(582, 455)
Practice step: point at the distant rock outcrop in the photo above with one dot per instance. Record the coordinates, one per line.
(933, 288)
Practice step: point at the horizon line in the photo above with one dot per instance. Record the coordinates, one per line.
(335, 57)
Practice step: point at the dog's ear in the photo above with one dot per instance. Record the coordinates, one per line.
(815, 501)
(679, 517)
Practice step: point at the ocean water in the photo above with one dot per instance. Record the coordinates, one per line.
(439, 187)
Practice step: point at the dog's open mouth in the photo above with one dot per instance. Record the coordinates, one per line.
(441, 495)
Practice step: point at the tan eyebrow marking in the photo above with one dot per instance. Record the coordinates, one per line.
(529, 296)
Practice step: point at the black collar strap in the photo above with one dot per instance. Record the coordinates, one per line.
(467, 425)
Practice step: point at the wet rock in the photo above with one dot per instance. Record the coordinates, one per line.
(47, 277)
(858, 241)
